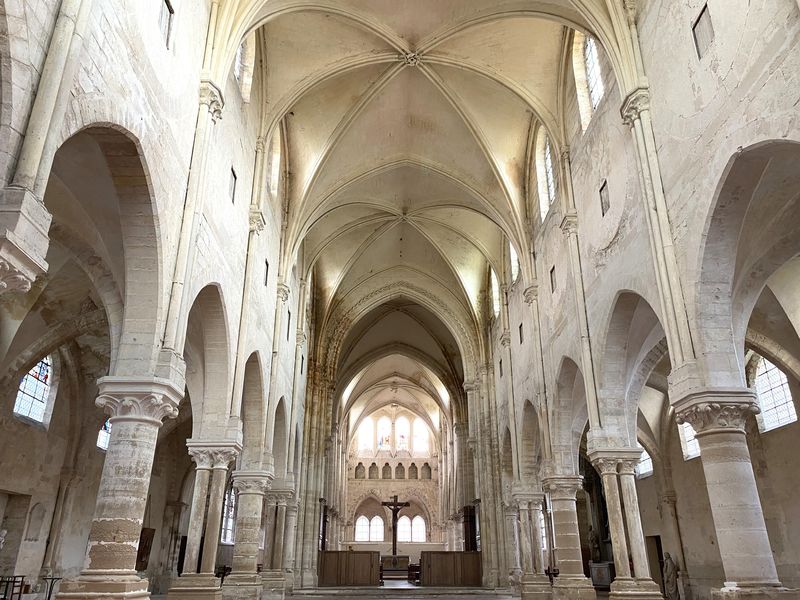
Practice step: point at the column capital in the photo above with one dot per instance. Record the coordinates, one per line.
(563, 487)
(283, 292)
(712, 410)
(505, 339)
(213, 454)
(252, 482)
(24, 239)
(634, 105)
(12, 279)
(147, 399)
(569, 223)
(471, 386)
(257, 220)
(282, 497)
(531, 293)
(211, 97)
(615, 460)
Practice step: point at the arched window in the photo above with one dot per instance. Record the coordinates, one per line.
(402, 432)
(366, 435)
(403, 529)
(34, 391)
(495, 290)
(384, 433)
(418, 530)
(594, 78)
(362, 529)
(376, 529)
(275, 151)
(243, 66)
(545, 173)
(774, 396)
(689, 443)
(512, 254)
(104, 435)
(421, 442)
(645, 465)
(229, 517)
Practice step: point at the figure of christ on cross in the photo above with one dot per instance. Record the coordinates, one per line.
(395, 507)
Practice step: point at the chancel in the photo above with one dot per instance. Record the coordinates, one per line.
(302, 299)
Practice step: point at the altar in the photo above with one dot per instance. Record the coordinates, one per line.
(392, 563)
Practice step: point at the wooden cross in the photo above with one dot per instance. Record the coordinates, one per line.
(395, 507)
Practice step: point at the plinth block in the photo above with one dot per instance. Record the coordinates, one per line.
(195, 587)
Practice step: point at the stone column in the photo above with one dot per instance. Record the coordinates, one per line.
(212, 458)
(516, 556)
(718, 417)
(274, 583)
(280, 528)
(244, 580)
(571, 582)
(616, 520)
(535, 583)
(627, 480)
(289, 536)
(137, 407)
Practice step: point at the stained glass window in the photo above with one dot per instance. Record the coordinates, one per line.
(384, 433)
(104, 435)
(774, 397)
(34, 391)
(594, 78)
(495, 293)
(689, 443)
(229, 517)
(402, 431)
(645, 465)
(366, 435)
(512, 253)
(421, 445)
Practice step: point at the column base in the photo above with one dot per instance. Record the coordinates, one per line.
(195, 587)
(242, 585)
(733, 592)
(99, 586)
(273, 584)
(536, 588)
(635, 589)
(573, 588)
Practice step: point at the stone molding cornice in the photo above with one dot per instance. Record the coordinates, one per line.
(569, 223)
(257, 220)
(563, 487)
(634, 105)
(146, 400)
(212, 98)
(712, 410)
(213, 454)
(252, 482)
(13, 279)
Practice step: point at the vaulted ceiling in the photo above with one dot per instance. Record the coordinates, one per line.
(407, 131)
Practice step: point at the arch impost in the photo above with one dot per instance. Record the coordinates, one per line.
(531, 293)
(562, 487)
(712, 410)
(148, 399)
(24, 222)
(615, 460)
(634, 105)
(212, 98)
(213, 454)
(252, 482)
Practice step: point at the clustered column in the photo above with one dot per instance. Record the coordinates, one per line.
(250, 487)
(137, 408)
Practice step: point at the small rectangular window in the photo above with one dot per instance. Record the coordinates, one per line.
(553, 279)
(302, 363)
(520, 333)
(501, 367)
(266, 272)
(232, 190)
(165, 19)
(605, 202)
(703, 32)
(288, 325)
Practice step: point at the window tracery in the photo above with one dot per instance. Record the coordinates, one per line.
(376, 529)
(774, 396)
(33, 393)
(418, 529)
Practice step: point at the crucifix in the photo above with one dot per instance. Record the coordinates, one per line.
(395, 507)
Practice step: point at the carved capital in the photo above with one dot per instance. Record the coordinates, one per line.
(145, 400)
(634, 104)
(471, 386)
(564, 487)
(531, 294)
(257, 220)
(208, 454)
(211, 97)
(505, 339)
(301, 337)
(12, 279)
(283, 292)
(606, 465)
(261, 143)
(411, 59)
(628, 466)
(252, 482)
(709, 416)
(569, 224)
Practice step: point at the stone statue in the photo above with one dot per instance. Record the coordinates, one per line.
(594, 542)
(670, 578)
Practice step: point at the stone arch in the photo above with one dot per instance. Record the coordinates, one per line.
(252, 414)
(33, 531)
(99, 192)
(749, 233)
(280, 442)
(633, 331)
(569, 418)
(208, 368)
(530, 444)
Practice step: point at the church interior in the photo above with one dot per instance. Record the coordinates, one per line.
(370, 298)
